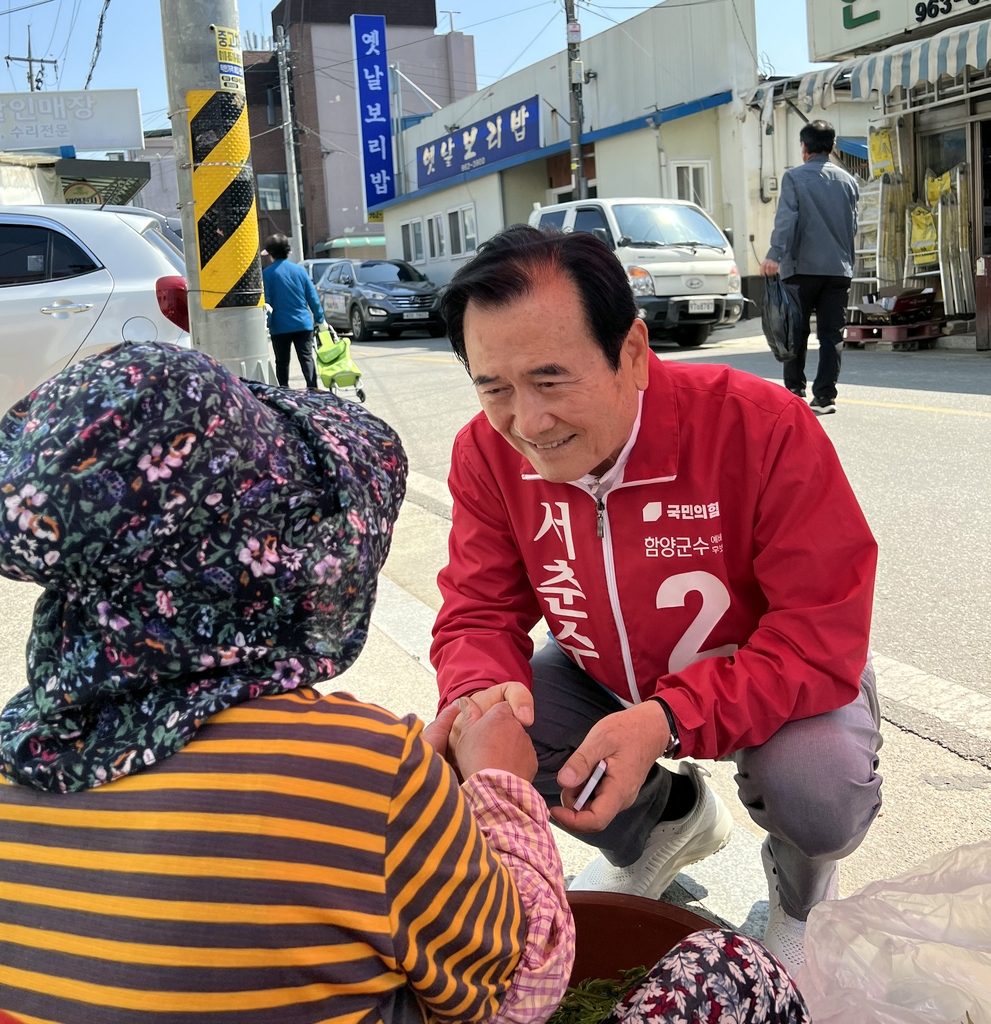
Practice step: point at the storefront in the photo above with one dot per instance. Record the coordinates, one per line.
(931, 140)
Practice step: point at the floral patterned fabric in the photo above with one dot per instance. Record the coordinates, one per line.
(202, 541)
(714, 977)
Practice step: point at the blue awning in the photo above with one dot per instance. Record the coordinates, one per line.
(852, 145)
(903, 66)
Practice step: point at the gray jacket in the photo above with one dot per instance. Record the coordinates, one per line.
(816, 221)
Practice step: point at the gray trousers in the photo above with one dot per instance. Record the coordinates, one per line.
(813, 786)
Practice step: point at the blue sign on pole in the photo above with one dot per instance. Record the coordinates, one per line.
(371, 75)
(504, 134)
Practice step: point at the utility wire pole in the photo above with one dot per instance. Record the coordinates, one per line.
(31, 60)
(208, 110)
(576, 74)
(289, 142)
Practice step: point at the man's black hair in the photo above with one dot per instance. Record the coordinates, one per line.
(277, 246)
(818, 136)
(507, 268)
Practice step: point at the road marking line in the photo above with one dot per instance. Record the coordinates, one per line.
(961, 706)
(915, 408)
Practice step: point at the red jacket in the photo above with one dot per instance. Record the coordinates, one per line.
(734, 577)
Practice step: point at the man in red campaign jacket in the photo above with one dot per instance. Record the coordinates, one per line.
(690, 538)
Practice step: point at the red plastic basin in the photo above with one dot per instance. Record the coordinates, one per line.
(616, 932)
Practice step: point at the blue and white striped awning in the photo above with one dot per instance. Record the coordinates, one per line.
(904, 66)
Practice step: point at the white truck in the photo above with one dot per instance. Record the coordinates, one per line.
(679, 264)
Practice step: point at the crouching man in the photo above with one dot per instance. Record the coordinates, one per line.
(706, 572)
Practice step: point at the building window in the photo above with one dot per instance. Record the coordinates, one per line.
(412, 232)
(461, 228)
(435, 236)
(273, 191)
(693, 182)
(274, 104)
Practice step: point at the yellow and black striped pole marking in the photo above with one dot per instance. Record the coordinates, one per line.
(224, 200)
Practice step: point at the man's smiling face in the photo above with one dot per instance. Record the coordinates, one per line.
(545, 383)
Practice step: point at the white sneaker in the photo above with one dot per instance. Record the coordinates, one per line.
(785, 935)
(671, 846)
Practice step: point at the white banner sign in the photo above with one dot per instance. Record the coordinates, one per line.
(87, 119)
(841, 28)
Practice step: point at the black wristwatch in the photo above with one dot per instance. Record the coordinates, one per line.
(674, 743)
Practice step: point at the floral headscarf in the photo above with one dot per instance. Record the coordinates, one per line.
(202, 541)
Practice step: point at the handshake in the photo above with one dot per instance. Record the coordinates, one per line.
(472, 739)
(488, 730)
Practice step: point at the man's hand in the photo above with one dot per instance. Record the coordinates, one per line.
(769, 268)
(629, 742)
(516, 695)
(438, 732)
(493, 739)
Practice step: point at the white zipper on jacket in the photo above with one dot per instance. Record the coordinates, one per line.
(612, 588)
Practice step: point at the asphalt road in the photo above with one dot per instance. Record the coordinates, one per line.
(913, 431)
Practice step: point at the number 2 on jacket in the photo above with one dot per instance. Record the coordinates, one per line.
(715, 602)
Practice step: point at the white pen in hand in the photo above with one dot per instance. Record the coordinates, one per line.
(600, 770)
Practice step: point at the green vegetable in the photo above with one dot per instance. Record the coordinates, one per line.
(594, 998)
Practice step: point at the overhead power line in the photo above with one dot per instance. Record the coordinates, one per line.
(98, 45)
(37, 3)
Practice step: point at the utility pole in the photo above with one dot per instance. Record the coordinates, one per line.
(396, 88)
(211, 140)
(31, 60)
(576, 74)
(289, 142)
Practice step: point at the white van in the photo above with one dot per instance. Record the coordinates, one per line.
(679, 264)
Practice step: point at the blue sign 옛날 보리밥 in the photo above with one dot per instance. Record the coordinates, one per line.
(371, 72)
(499, 136)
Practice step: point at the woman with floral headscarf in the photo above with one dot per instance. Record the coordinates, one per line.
(191, 832)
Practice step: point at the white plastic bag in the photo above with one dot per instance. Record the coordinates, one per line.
(915, 949)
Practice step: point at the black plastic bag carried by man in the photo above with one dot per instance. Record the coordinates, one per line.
(781, 318)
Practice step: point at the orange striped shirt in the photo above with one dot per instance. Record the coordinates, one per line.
(305, 859)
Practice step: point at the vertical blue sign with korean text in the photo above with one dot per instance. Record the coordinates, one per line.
(371, 74)
(502, 135)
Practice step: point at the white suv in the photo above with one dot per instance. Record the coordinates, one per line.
(75, 280)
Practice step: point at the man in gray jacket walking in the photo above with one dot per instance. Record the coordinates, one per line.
(812, 249)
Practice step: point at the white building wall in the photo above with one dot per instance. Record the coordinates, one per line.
(628, 165)
(485, 194)
(670, 54)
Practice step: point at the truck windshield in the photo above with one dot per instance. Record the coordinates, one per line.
(666, 224)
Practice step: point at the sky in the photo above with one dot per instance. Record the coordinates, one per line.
(509, 35)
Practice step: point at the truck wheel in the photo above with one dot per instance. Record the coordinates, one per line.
(692, 337)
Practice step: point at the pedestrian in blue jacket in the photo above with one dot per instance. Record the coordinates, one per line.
(296, 310)
(812, 248)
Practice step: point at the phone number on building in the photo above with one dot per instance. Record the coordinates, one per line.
(934, 8)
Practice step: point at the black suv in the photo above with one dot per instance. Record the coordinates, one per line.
(364, 296)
